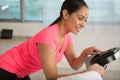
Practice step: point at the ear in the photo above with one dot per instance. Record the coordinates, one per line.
(65, 14)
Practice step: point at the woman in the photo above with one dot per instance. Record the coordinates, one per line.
(46, 48)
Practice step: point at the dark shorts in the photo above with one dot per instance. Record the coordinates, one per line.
(5, 75)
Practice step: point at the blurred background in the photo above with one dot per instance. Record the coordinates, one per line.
(27, 17)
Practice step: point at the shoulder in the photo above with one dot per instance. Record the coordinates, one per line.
(47, 36)
(50, 30)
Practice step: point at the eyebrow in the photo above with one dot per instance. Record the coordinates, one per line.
(83, 16)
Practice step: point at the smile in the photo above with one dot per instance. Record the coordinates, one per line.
(78, 28)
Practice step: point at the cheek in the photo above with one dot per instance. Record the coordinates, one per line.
(73, 21)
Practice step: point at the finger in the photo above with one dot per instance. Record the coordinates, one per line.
(96, 49)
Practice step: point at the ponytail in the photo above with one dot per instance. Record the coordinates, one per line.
(56, 21)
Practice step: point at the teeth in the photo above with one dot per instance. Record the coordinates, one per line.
(78, 28)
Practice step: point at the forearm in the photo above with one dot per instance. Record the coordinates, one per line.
(95, 72)
(60, 76)
(67, 75)
(79, 61)
(91, 75)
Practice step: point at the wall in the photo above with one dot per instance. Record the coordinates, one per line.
(32, 28)
(29, 29)
(22, 29)
(102, 36)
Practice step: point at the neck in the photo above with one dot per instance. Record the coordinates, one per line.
(62, 29)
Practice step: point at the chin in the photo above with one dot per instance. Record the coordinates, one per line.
(75, 33)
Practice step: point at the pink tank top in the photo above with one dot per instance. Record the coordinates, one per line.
(24, 59)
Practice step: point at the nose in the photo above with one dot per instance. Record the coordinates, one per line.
(82, 23)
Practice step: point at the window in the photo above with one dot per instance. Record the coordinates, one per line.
(104, 11)
(21, 10)
(33, 10)
(9, 9)
(100, 11)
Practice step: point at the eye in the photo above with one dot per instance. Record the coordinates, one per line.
(80, 18)
(86, 20)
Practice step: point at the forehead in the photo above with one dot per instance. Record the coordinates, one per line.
(83, 11)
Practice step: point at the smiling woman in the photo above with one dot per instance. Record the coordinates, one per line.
(45, 50)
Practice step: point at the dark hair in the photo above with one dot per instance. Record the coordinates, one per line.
(71, 6)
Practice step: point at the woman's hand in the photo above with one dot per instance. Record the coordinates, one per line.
(98, 68)
(91, 50)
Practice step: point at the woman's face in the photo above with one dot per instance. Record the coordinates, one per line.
(76, 21)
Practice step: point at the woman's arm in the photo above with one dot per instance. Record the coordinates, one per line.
(77, 62)
(74, 61)
(47, 55)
